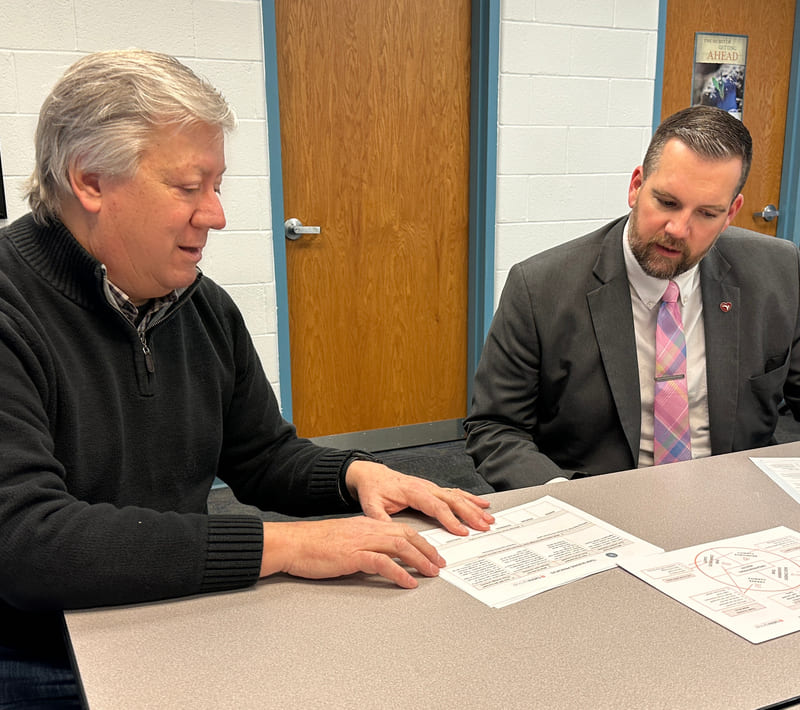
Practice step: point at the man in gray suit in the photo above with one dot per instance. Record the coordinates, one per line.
(565, 385)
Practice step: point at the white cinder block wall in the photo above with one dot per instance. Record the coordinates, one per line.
(575, 115)
(575, 105)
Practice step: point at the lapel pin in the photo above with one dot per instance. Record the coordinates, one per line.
(725, 306)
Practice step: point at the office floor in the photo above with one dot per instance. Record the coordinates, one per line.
(447, 464)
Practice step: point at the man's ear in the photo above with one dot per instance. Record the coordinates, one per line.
(86, 187)
(736, 205)
(637, 180)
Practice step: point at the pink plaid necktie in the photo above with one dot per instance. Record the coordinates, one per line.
(671, 436)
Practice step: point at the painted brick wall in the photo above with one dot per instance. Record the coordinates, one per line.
(575, 104)
(219, 39)
(575, 114)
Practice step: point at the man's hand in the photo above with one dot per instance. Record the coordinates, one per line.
(337, 547)
(382, 491)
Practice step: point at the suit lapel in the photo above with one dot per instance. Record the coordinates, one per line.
(612, 318)
(721, 327)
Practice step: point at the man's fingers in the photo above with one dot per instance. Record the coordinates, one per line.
(383, 565)
(375, 511)
(471, 509)
(416, 551)
(332, 548)
(451, 506)
(407, 545)
(412, 550)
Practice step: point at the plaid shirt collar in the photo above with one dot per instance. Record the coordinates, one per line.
(122, 302)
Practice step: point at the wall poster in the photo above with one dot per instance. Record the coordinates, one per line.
(719, 68)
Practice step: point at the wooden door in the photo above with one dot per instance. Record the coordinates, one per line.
(374, 115)
(769, 28)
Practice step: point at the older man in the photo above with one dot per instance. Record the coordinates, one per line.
(129, 382)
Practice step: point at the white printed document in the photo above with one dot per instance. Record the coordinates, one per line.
(749, 584)
(784, 471)
(532, 548)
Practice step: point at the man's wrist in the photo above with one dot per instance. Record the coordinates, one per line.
(347, 491)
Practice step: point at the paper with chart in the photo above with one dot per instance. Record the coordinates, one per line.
(532, 548)
(749, 584)
(784, 471)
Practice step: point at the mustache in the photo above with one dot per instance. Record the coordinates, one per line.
(664, 240)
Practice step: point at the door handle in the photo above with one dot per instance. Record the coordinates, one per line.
(769, 213)
(293, 229)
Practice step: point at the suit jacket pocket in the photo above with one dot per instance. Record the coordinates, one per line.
(758, 417)
(771, 382)
(779, 361)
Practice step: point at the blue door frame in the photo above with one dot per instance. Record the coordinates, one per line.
(484, 72)
(788, 223)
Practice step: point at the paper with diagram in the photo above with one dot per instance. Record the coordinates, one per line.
(532, 548)
(749, 584)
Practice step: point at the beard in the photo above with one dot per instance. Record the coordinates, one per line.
(653, 263)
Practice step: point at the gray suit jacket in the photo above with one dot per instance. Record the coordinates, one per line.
(557, 388)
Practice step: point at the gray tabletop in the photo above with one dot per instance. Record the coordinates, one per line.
(606, 641)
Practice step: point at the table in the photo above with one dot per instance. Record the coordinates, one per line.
(606, 641)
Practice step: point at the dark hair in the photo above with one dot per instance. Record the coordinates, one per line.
(707, 131)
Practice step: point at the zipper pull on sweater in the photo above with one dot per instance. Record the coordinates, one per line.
(148, 356)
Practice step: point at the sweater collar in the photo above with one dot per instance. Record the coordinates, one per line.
(56, 255)
(53, 252)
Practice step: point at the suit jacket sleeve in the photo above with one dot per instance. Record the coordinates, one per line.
(791, 387)
(502, 423)
(753, 345)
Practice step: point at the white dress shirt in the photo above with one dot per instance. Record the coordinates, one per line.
(646, 293)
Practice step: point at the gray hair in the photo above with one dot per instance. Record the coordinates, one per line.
(708, 132)
(101, 114)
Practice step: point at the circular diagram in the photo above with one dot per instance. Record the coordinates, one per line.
(749, 569)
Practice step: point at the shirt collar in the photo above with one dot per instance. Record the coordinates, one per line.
(122, 302)
(650, 289)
